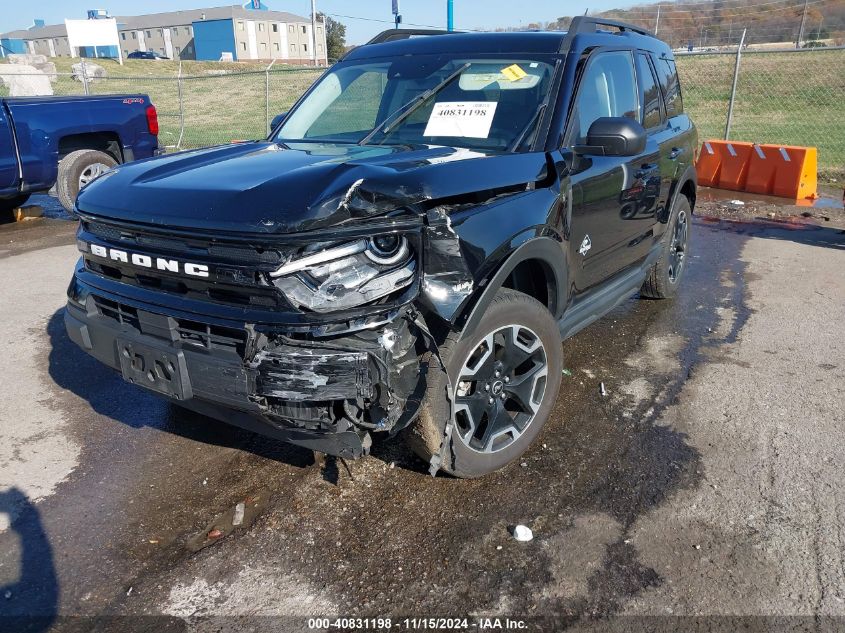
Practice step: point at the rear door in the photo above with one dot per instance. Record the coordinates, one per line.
(613, 198)
(8, 155)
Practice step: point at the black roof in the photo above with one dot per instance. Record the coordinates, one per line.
(592, 31)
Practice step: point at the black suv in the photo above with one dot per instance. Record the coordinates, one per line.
(407, 249)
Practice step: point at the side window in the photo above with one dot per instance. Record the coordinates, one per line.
(649, 94)
(607, 88)
(668, 75)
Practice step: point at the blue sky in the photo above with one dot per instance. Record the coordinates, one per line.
(469, 14)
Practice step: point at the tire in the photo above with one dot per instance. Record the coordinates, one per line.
(664, 277)
(9, 204)
(75, 169)
(527, 352)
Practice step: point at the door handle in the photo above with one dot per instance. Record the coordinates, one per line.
(676, 151)
(644, 169)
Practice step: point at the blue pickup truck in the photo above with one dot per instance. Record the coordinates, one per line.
(69, 141)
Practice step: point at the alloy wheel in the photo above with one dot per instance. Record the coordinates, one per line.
(500, 388)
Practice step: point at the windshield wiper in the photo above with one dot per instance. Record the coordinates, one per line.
(412, 106)
(519, 139)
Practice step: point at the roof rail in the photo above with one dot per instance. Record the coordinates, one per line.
(589, 24)
(402, 34)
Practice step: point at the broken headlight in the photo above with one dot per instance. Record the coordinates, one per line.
(325, 277)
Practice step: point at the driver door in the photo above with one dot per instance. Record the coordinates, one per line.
(614, 198)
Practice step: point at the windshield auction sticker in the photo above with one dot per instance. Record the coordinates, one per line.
(454, 118)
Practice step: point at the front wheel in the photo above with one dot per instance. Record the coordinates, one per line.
(505, 377)
(76, 170)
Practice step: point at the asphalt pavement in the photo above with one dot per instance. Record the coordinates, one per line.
(704, 489)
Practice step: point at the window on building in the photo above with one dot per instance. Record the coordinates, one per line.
(240, 26)
(275, 28)
(243, 46)
(161, 32)
(293, 48)
(123, 36)
(305, 48)
(304, 29)
(276, 46)
(134, 35)
(261, 26)
(290, 28)
(149, 33)
(263, 47)
(178, 51)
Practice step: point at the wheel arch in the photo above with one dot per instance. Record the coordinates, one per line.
(536, 268)
(108, 142)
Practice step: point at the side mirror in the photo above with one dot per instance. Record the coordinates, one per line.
(277, 119)
(614, 136)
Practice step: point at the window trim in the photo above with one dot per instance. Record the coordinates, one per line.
(592, 54)
(662, 57)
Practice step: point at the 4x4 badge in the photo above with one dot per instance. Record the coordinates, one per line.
(585, 245)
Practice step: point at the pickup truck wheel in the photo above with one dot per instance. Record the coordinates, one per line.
(9, 204)
(665, 276)
(77, 169)
(505, 377)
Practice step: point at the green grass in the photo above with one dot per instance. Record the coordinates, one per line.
(783, 98)
(787, 98)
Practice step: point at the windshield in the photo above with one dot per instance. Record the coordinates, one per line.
(490, 104)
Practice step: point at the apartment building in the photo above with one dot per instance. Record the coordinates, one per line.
(205, 34)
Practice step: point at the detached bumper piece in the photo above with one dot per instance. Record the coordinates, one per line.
(323, 395)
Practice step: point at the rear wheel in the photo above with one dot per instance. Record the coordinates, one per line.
(665, 276)
(77, 169)
(505, 377)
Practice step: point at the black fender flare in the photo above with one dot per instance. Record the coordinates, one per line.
(547, 251)
(688, 175)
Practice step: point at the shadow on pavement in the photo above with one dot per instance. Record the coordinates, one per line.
(28, 605)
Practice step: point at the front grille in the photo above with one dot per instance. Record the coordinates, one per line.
(193, 333)
(237, 272)
(238, 254)
(123, 314)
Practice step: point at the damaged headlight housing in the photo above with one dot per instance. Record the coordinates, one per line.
(328, 277)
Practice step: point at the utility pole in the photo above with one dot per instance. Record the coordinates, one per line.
(397, 14)
(801, 28)
(450, 15)
(657, 21)
(314, 30)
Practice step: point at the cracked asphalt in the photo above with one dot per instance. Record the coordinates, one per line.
(704, 490)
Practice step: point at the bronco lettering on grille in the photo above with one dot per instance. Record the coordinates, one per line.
(145, 261)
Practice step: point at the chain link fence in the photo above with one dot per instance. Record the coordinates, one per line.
(786, 97)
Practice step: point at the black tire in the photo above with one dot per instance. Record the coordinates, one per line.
(72, 169)
(470, 454)
(664, 278)
(9, 204)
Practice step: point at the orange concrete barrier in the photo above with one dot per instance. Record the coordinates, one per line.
(775, 170)
(784, 171)
(724, 164)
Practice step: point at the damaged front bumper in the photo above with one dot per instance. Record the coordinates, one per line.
(327, 395)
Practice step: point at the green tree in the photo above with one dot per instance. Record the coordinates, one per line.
(335, 37)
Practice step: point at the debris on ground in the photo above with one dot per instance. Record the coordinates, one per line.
(522, 533)
(238, 519)
(566, 372)
(240, 516)
(29, 212)
(602, 390)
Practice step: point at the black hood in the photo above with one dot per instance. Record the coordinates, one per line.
(272, 188)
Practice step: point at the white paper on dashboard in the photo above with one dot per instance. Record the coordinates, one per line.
(464, 119)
